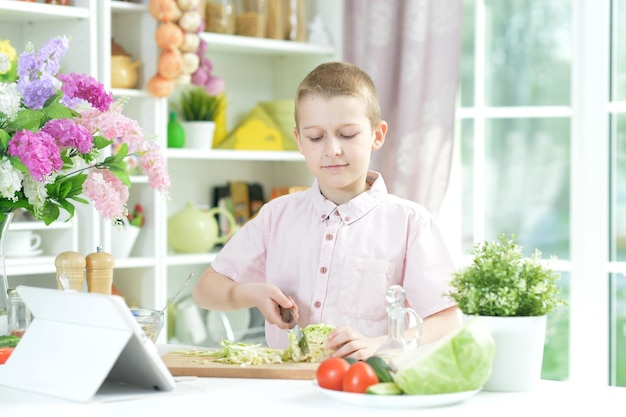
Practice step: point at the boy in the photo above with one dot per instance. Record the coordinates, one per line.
(331, 252)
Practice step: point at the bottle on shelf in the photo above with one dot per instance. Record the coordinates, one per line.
(175, 132)
(220, 16)
(251, 18)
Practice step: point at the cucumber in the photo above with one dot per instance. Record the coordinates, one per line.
(8, 341)
(382, 369)
(350, 360)
(384, 388)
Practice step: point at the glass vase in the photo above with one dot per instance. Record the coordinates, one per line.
(5, 221)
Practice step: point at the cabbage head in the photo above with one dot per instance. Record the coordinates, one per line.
(316, 336)
(460, 361)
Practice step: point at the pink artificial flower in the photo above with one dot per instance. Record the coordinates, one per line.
(78, 87)
(108, 193)
(156, 168)
(69, 134)
(38, 151)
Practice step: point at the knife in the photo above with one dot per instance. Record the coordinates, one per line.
(287, 316)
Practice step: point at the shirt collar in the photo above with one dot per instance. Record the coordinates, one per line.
(355, 208)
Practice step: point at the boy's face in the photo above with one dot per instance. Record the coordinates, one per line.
(336, 138)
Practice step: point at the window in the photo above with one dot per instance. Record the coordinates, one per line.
(541, 145)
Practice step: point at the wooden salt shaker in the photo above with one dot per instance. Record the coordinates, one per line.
(72, 265)
(100, 272)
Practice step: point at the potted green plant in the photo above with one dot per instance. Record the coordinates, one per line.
(512, 294)
(198, 111)
(501, 282)
(196, 104)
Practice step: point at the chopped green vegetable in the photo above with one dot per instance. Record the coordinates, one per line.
(239, 353)
(8, 341)
(316, 336)
(256, 354)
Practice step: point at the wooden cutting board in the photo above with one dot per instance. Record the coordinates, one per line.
(180, 365)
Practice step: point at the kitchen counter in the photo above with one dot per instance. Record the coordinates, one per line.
(241, 396)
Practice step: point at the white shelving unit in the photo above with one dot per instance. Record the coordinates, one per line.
(253, 69)
(20, 23)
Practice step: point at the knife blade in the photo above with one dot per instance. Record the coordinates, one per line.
(303, 344)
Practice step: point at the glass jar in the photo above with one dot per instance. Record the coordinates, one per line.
(296, 26)
(276, 19)
(220, 16)
(251, 18)
(19, 314)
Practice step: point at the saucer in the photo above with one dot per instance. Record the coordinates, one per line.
(24, 255)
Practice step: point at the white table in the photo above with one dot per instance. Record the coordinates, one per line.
(297, 398)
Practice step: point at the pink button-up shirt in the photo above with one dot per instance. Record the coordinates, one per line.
(337, 262)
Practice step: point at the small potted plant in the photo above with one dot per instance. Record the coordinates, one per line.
(511, 294)
(196, 104)
(198, 111)
(125, 232)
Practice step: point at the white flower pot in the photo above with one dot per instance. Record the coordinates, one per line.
(199, 135)
(519, 352)
(123, 239)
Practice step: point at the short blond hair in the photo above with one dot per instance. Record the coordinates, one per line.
(333, 79)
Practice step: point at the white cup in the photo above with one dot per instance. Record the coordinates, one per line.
(22, 242)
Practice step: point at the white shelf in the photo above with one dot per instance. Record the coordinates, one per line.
(126, 7)
(234, 44)
(22, 11)
(234, 155)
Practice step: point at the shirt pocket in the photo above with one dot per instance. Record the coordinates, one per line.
(363, 286)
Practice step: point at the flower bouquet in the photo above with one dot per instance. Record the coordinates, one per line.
(55, 129)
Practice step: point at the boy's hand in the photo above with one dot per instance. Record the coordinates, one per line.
(346, 341)
(269, 300)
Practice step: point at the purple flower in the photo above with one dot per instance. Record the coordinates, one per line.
(36, 92)
(69, 134)
(37, 72)
(38, 151)
(83, 87)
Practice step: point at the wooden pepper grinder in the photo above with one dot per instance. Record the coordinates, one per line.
(71, 265)
(100, 272)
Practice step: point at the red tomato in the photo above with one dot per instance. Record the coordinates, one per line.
(360, 376)
(5, 353)
(330, 373)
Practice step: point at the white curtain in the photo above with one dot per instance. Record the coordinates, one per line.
(411, 49)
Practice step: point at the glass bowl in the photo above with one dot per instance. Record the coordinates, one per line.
(150, 321)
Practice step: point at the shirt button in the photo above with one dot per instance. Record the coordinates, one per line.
(323, 270)
(317, 304)
(336, 213)
(329, 237)
(347, 219)
(323, 216)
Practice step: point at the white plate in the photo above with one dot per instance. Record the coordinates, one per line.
(24, 255)
(239, 321)
(396, 401)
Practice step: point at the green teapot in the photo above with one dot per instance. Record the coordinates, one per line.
(194, 230)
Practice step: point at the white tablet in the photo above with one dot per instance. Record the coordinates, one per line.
(76, 342)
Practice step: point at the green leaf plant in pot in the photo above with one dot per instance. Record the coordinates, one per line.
(512, 294)
(198, 110)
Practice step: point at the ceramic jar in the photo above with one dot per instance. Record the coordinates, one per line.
(123, 71)
(194, 230)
